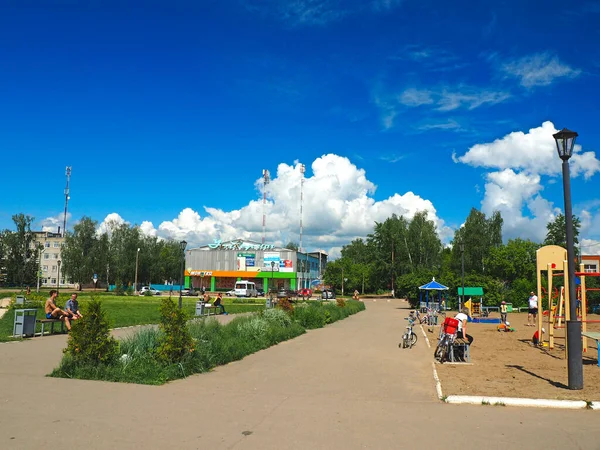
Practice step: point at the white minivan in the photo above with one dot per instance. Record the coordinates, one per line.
(245, 289)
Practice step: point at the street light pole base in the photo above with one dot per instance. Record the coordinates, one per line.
(575, 361)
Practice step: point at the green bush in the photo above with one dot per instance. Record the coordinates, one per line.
(129, 290)
(90, 341)
(175, 342)
(213, 344)
(119, 290)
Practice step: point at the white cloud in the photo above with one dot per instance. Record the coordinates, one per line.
(416, 97)
(297, 13)
(52, 224)
(534, 152)
(338, 207)
(510, 193)
(590, 247)
(110, 222)
(515, 189)
(540, 69)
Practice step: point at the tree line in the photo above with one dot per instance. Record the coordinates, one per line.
(402, 254)
(111, 255)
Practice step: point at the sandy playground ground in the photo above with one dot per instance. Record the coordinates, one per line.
(508, 365)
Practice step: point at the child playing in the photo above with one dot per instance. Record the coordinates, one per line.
(536, 337)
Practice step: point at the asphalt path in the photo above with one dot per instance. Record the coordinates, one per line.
(346, 386)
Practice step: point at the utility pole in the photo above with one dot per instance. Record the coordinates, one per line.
(266, 180)
(68, 173)
(462, 263)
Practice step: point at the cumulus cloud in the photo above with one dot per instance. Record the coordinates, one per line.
(110, 222)
(515, 189)
(52, 224)
(511, 193)
(540, 69)
(534, 152)
(338, 207)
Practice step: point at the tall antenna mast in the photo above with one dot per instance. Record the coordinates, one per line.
(68, 173)
(266, 180)
(302, 170)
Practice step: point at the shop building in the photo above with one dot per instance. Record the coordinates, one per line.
(217, 266)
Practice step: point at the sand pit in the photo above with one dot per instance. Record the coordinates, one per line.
(508, 365)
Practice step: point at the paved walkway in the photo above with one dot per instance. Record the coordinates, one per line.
(347, 386)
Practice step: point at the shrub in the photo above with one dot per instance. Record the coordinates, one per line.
(148, 293)
(119, 288)
(175, 341)
(90, 340)
(341, 302)
(129, 290)
(285, 305)
(277, 317)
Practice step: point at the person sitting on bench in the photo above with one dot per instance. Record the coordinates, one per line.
(219, 304)
(462, 318)
(72, 307)
(54, 312)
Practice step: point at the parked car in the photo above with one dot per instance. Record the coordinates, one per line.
(261, 292)
(189, 293)
(328, 294)
(286, 293)
(152, 291)
(230, 293)
(305, 293)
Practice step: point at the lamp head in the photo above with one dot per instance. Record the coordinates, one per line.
(565, 142)
(182, 245)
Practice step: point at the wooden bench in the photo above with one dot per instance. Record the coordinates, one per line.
(595, 336)
(51, 322)
(460, 351)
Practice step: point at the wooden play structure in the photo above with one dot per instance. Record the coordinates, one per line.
(553, 260)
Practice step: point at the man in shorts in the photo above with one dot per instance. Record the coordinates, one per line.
(533, 310)
(54, 312)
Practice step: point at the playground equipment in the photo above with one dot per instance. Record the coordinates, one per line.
(552, 258)
(475, 306)
(435, 287)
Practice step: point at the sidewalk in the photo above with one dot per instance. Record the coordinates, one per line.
(347, 386)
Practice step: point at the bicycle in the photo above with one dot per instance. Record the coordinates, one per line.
(446, 339)
(409, 338)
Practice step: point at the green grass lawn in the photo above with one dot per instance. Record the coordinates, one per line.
(124, 311)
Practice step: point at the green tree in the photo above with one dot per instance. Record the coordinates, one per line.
(515, 260)
(477, 236)
(20, 252)
(292, 246)
(557, 231)
(90, 341)
(82, 254)
(175, 341)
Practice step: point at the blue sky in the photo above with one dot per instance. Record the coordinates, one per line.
(169, 111)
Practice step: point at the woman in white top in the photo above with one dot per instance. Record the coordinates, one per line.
(463, 318)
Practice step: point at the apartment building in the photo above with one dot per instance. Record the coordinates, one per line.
(49, 270)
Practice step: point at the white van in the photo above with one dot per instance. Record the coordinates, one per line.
(245, 289)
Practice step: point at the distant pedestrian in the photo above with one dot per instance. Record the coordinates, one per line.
(533, 310)
(503, 312)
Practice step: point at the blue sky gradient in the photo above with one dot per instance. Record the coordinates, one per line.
(163, 106)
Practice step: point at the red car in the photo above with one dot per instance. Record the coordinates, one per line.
(305, 293)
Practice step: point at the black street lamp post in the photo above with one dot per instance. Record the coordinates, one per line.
(58, 277)
(462, 271)
(565, 141)
(182, 246)
(272, 268)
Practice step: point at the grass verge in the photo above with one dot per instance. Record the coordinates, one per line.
(122, 311)
(215, 344)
